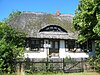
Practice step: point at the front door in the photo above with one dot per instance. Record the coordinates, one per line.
(54, 49)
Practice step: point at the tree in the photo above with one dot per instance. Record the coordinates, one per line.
(12, 15)
(11, 46)
(87, 20)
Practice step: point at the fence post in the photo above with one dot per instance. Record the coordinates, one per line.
(22, 69)
(33, 65)
(63, 65)
(82, 65)
(27, 63)
(18, 69)
(47, 64)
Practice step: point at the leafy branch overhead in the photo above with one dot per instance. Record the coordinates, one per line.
(87, 20)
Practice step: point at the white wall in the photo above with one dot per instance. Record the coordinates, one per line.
(62, 53)
(77, 55)
(38, 54)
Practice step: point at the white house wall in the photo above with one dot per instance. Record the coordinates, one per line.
(77, 55)
(63, 53)
(39, 54)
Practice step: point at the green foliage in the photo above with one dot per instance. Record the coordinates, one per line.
(87, 19)
(70, 60)
(87, 22)
(12, 15)
(97, 58)
(11, 46)
(50, 73)
(97, 29)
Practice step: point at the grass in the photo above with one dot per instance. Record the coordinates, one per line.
(82, 73)
(44, 73)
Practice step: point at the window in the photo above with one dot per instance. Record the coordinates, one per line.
(53, 28)
(90, 46)
(87, 46)
(66, 45)
(54, 44)
(73, 46)
(83, 46)
(70, 45)
(34, 44)
(41, 43)
(27, 43)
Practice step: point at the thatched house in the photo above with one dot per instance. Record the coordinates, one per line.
(50, 35)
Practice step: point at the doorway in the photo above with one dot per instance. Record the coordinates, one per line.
(54, 49)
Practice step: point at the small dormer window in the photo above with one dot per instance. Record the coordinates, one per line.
(53, 28)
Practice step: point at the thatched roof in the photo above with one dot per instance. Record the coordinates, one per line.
(32, 23)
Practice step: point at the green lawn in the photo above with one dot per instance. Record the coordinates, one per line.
(82, 73)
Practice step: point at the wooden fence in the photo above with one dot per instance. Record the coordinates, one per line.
(53, 65)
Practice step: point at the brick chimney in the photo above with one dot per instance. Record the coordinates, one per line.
(58, 13)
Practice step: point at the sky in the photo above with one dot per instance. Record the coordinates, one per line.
(49, 6)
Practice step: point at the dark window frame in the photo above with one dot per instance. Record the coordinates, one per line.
(70, 45)
(87, 46)
(53, 28)
(54, 45)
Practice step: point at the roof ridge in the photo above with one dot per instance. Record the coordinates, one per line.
(42, 13)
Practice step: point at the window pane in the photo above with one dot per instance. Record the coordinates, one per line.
(66, 44)
(89, 45)
(35, 45)
(56, 44)
(27, 43)
(71, 44)
(55, 28)
(51, 44)
(37, 41)
(51, 28)
(47, 29)
(33, 41)
(42, 43)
